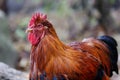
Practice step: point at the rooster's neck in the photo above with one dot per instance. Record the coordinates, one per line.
(49, 47)
(51, 44)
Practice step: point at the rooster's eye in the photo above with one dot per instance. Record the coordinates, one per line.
(39, 25)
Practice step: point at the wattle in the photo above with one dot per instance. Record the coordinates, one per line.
(33, 38)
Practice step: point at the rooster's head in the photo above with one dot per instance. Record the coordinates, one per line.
(37, 28)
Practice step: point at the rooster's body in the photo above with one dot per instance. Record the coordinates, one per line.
(91, 59)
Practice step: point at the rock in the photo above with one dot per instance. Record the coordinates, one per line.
(115, 76)
(8, 73)
(2, 14)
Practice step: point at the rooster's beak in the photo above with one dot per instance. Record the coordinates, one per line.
(28, 30)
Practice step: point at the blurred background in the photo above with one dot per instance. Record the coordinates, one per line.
(72, 19)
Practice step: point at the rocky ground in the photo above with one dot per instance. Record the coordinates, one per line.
(8, 73)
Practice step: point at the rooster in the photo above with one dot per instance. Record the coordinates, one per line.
(51, 59)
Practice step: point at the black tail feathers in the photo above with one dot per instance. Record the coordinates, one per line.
(112, 45)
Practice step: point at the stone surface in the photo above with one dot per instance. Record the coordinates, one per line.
(8, 73)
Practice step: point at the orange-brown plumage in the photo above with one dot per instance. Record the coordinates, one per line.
(51, 59)
(97, 49)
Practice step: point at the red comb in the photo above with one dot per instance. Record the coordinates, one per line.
(36, 16)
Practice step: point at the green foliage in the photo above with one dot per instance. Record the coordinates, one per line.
(63, 8)
(112, 1)
(50, 4)
(24, 22)
(7, 51)
(4, 28)
(36, 1)
(57, 6)
(20, 31)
